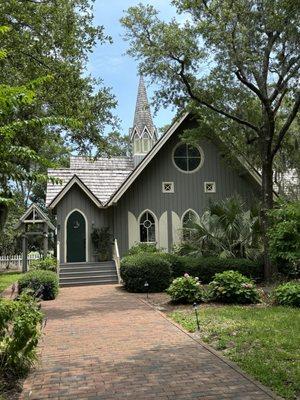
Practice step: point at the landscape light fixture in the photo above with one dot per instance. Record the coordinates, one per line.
(146, 285)
(195, 307)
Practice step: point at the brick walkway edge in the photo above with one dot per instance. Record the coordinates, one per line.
(102, 343)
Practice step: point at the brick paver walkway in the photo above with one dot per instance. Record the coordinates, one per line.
(103, 343)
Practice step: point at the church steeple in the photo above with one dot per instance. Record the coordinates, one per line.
(143, 135)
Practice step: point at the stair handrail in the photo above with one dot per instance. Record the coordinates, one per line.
(57, 256)
(117, 259)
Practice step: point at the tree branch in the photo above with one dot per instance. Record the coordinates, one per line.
(287, 124)
(205, 103)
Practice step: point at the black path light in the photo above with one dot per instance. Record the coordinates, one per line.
(195, 307)
(146, 286)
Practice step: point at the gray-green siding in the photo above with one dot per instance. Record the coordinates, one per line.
(146, 193)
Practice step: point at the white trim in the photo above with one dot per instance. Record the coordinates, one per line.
(86, 235)
(214, 189)
(68, 186)
(163, 231)
(193, 211)
(156, 226)
(155, 149)
(176, 229)
(201, 160)
(133, 230)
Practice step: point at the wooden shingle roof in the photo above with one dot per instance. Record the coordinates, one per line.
(102, 177)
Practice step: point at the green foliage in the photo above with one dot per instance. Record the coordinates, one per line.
(235, 65)
(247, 334)
(284, 234)
(138, 269)
(287, 294)
(233, 287)
(47, 264)
(142, 248)
(225, 230)
(102, 240)
(20, 329)
(185, 289)
(206, 267)
(44, 284)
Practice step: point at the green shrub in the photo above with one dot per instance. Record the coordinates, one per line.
(206, 267)
(43, 283)
(284, 234)
(185, 289)
(20, 329)
(142, 248)
(47, 264)
(233, 287)
(287, 294)
(140, 268)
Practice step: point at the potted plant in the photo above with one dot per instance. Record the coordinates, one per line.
(102, 242)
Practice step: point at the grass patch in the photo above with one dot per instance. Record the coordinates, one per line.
(263, 341)
(7, 279)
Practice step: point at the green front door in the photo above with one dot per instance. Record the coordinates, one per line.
(76, 240)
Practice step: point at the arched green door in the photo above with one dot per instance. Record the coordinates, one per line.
(76, 238)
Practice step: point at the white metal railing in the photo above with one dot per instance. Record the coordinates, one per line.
(58, 256)
(15, 261)
(116, 258)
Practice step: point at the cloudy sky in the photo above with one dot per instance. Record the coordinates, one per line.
(118, 70)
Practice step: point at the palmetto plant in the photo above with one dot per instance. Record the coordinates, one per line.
(226, 230)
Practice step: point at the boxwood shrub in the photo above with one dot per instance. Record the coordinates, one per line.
(140, 268)
(206, 267)
(43, 283)
(287, 294)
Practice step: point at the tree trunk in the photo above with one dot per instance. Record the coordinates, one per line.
(267, 204)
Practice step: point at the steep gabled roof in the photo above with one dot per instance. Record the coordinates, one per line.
(137, 171)
(108, 179)
(99, 179)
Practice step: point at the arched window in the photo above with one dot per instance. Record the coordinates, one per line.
(147, 228)
(189, 218)
(137, 145)
(146, 142)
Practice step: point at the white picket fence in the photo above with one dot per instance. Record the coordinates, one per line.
(15, 262)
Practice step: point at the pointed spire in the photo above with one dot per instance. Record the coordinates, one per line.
(142, 115)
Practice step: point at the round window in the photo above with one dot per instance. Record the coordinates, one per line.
(187, 158)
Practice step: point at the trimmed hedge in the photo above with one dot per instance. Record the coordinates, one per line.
(206, 267)
(148, 267)
(44, 284)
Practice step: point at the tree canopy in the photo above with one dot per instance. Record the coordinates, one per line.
(235, 63)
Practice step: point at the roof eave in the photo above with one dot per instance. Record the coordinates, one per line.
(74, 180)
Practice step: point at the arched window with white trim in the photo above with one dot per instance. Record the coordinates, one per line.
(147, 228)
(189, 218)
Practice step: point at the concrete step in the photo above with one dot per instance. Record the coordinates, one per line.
(88, 283)
(87, 264)
(94, 272)
(87, 269)
(79, 274)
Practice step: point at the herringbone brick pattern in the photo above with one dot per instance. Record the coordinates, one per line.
(103, 343)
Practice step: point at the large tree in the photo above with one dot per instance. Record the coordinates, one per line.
(44, 85)
(236, 60)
